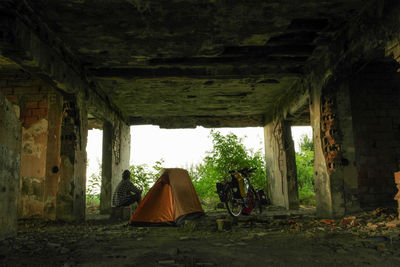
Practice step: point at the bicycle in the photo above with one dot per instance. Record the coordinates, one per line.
(238, 194)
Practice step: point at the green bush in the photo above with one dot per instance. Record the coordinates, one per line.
(93, 189)
(144, 176)
(305, 171)
(228, 153)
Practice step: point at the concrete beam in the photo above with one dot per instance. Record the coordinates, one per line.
(205, 121)
(223, 72)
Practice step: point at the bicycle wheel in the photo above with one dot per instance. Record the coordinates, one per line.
(256, 201)
(232, 205)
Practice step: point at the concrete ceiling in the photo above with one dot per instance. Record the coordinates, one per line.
(183, 63)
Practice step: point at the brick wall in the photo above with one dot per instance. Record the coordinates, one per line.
(376, 110)
(31, 96)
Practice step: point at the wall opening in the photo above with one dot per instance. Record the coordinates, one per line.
(93, 171)
(304, 147)
(154, 148)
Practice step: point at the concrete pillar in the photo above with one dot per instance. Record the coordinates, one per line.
(121, 149)
(10, 159)
(116, 156)
(71, 195)
(281, 164)
(55, 108)
(106, 169)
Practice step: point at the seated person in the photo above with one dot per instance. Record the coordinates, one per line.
(126, 193)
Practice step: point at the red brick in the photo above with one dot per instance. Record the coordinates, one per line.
(39, 112)
(12, 98)
(43, 105)
(397, 177)
(26, 113)
(32, 105)
(27, 90)
(30, 120)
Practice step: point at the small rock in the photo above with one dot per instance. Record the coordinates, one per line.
(64, 250)
(341, 251)
(53, 245)
(205, 264)
(166, 262)
(172, 251)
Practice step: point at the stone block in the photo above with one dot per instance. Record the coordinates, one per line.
(121, 213)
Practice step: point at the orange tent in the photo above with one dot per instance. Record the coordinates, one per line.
(171, 199)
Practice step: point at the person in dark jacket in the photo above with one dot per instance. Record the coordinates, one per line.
(126, 193)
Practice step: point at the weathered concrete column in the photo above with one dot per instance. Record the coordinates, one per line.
(55, 113)
(281, 164)
(71, 195)
(121, 149)
(335, 173)
(10, 160)
(116, 156)
(106, 169)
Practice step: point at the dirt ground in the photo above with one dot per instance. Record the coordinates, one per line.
(275, 238)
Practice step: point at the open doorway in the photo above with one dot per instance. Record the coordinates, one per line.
(304, 148)
(204, 152)
(93, 171)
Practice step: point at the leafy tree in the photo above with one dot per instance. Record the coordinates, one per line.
(228, 153)
(306, 144)
(305, 170)
(143, 177)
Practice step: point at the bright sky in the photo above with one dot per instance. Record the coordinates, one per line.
(178, 147)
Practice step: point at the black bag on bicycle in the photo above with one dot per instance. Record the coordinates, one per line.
(221, 191)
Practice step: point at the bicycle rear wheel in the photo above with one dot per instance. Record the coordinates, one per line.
(233, 206)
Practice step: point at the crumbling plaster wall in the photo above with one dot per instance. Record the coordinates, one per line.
(40, 114)
(281, 164)
(10, 160)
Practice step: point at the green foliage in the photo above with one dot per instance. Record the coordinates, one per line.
(306, 144)
(228, 153)
(93, 188)
(143, 176)
(305, 171)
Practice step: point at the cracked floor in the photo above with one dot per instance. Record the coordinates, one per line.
(276, 238)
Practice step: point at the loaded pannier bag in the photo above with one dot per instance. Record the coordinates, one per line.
(221, 192)
(235, 187)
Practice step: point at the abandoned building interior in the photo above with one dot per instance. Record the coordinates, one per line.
(67, 66)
